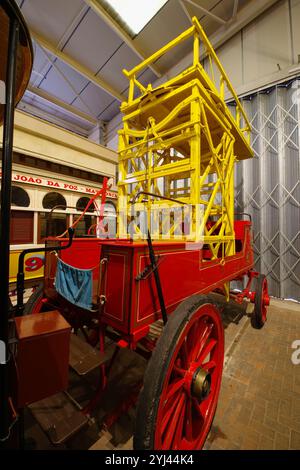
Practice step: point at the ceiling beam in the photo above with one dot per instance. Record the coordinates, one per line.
(104, 15)
(186, 12)
(84, 71)
(61, 104)
(206, 12)
(245, 15)
(235, 8)
(248, 13)
(64, 77)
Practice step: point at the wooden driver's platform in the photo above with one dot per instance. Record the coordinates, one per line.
(60, 415)
(84, 358)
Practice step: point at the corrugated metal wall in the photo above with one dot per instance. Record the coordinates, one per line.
(268, 187)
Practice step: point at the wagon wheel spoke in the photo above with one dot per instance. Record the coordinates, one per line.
(202, 341)
(176, 415)
(168, 412)
(194, 337)
(179, 371)
(201, 408)
(189, 420)
(206, 351)
(209, 366)
(180, 427)
(196, 407)
(174, 387)
(184, 355)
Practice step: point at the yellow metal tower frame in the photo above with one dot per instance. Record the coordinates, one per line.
(177, 151)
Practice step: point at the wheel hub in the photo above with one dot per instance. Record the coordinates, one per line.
(201, 384)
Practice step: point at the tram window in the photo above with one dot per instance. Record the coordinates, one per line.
(109, 209)
(110, 221)
(54, 199)
(51, 226)
(21, 227)
(84, 224)
(82, 203)
(19, 197)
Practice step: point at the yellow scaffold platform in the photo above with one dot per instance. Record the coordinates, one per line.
(177, 151)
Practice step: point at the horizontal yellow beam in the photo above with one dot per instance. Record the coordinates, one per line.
(188, 33)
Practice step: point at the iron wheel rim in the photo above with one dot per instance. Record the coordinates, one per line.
(193, 418)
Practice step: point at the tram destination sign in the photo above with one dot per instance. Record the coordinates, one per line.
(56, 184)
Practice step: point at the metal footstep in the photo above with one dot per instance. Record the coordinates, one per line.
(58, 417)
(84, 358)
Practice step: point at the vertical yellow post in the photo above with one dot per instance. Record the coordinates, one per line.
(222, 88)
(196, 49)
(195, 162)
(131, 90)
(122, 188)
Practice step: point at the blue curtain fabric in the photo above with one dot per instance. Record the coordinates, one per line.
(74, 284)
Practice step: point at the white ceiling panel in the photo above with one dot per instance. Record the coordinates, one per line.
(41, 60)
(93, 42)
(147, 77)
(77, 81)
(51, 18)
(41, 65)
(175, 55)
(110, 111)
(57, 86)
(222, 9)
(95, 98)
(169, 23)
(112, 71)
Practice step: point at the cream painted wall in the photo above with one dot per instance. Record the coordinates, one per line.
(295, 18)
(267, 42)
(38, 138)
(250, 58)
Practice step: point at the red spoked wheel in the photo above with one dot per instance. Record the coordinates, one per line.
(261, 302)
(37, 302)
(182, 381)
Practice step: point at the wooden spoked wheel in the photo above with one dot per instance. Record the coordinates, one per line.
(261, 302)
(182, 381)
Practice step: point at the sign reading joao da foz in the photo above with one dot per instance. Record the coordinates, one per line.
(51, 183)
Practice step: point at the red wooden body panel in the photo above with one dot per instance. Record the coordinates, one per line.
(116, 283)
(133, 304)
(84, 253)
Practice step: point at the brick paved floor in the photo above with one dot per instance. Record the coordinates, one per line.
(259, 404)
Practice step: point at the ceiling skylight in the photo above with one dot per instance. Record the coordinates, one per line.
(136, 13)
